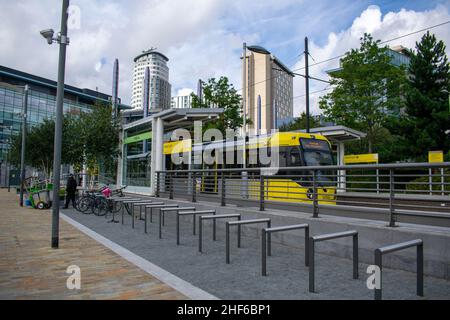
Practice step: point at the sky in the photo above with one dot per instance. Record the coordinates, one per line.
(203, 38)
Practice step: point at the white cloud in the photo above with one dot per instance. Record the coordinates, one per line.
(202, 38)
(371, 20)
(184, 92)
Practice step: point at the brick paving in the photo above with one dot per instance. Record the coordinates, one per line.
(30, 269)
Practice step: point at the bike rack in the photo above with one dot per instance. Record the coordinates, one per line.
(397, 247)
(133, 202)
(154, 206)
(115, 200)
(214, 217)
(267, 244)
(139, 204)
(330, 236)
(162, 212)
(193, 214)
(108, 201)
(123, 199)
(143, 203)
(239, 223)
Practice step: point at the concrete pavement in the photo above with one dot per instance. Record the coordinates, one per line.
(30, 269)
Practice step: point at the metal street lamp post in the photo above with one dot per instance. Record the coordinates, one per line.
(22, 151)
(63, 41)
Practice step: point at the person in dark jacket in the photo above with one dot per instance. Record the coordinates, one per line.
(71, 189)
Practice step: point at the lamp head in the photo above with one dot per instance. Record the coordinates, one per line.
(48, 34)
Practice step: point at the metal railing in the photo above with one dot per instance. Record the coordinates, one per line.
(397, 189)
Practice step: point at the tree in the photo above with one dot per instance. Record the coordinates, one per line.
(99, 133)
(367, 89)
(299, 123)
(39, 147)
(221, 94)
(426, 116)
(91, 138)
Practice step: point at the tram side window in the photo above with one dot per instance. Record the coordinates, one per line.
(294, 158)
(283, 162)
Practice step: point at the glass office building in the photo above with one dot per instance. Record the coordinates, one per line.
(41, 105)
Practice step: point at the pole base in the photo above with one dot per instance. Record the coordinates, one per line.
(55, 243)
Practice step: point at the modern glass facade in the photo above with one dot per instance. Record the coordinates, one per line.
(136, 164)
(41, 105)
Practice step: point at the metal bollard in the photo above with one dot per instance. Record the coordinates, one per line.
(157, 184)
(315, 196)
(170, 186)
(194, 188)
(222, 198)
(392, 217)
(261, 193)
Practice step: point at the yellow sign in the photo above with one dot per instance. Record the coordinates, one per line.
(177, 146)
(435, 156)
(361, 158)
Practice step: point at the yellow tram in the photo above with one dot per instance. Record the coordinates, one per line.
(294, 149)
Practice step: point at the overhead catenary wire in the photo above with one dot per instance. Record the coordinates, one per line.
(382, 42)
(340, 56)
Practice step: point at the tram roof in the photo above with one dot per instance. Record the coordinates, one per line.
(338, 133)
(178, 118)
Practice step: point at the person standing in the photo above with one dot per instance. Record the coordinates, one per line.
(71, 189)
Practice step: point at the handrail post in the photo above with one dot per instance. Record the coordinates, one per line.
(222, 198)
(391, 199)
(227, 242)
(263, 252)
(194, 188)
(261, 192)
(311, 266)
(430, 180)
(315, 196)
(397, 247)
(379, 263)
(157, 183)
(420, 270)
(171, 185)
(355, 257)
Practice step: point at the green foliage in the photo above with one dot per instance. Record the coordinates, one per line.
(38, 146)
(367, 88)
(426, 116)
(299, 123)
(221, 94)
(92, 137)
(99, 132)
(423, 183)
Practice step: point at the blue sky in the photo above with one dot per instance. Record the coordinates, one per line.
(203, 38)
(283, 29)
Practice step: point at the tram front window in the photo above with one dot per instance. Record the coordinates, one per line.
(318, 153)
(318, 158)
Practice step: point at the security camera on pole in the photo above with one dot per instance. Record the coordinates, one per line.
(63, 41)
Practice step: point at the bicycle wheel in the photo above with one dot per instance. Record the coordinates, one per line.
(77, 203)
(100, 206)
(85, 205)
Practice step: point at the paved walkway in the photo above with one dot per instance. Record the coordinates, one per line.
(30, 269)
